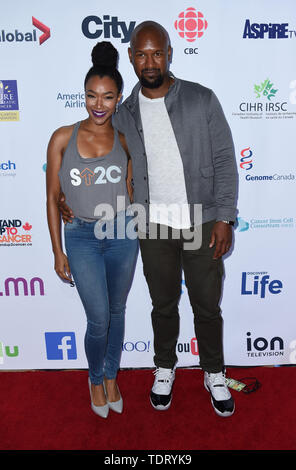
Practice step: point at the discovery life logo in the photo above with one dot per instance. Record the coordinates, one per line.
(190, 26)
(266, 102)
(267, 30)
(13, 232)
(60, 346)
(260, 284)
(9, 103)
(17, 36)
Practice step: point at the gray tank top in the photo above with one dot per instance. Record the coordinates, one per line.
(94, 187)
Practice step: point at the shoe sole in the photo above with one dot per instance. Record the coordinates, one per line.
(161, 407)
(223, 415)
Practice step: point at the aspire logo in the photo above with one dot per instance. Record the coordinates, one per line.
(191, 24)
(29, 36)
(246, 162)
(93, 27)
(267, 31)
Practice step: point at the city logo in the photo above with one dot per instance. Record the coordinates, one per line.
(267, 31)
(191, 24)
(7, 351)
(15, 233)
(60, 346)
(246, 162)
(94, 27)
(9, 105)
(30, 36)
(19, 285)
(260, 347)
(265, 89)
(259, 283)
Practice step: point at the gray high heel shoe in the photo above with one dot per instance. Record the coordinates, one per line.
(99, 410)
(116, 406)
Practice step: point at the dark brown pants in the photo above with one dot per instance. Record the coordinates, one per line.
(163, 262)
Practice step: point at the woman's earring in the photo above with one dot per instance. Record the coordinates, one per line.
(116, 109)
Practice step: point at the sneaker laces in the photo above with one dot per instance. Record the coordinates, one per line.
(163, 380)
(217, 383)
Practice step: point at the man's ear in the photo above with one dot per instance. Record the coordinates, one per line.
(130, 54)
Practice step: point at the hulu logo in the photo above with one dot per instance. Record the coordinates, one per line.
(8, 351)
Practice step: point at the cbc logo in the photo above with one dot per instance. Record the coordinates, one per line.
(191, 25)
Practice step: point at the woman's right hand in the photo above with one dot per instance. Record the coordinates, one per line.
(62, 268)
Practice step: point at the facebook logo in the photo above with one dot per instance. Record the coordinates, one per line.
(60, 346)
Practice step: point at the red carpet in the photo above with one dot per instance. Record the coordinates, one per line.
(49, 410)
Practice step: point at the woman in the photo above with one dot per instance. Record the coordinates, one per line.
(88, 161)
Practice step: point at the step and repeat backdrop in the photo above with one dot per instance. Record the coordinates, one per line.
(245, 52)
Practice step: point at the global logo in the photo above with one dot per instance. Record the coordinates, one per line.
(191, 24)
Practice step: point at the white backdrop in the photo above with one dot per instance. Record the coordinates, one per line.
(245, 52)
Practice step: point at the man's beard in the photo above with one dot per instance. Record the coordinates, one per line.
(154, 83)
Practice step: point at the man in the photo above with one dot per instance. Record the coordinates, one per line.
(182, 154)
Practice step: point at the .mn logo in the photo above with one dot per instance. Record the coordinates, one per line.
(191, 24)
(265, 89)
(60, 346)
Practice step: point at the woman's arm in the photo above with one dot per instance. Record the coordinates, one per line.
(56, 147)
(129, 175)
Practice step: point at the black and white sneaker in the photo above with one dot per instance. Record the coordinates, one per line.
(161, 392)
(221, 398)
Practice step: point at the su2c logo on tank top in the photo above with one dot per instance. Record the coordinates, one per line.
(99, 175)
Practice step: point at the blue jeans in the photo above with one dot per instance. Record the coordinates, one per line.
(103, 270)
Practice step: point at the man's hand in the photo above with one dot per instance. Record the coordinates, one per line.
(67, 214)
(222, 238)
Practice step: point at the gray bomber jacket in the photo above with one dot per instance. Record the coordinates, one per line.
(205, 143)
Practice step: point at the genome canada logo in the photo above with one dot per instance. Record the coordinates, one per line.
(268, 31)
(190, 26)
(17, 36)
(266, 102)
(14, 232)
(95, 27)
(9, 103)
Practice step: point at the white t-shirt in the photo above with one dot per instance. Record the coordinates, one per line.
(168, 197)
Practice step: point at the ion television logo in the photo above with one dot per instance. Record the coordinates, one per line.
(257, 347)
(191, 24)
(60, 346)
